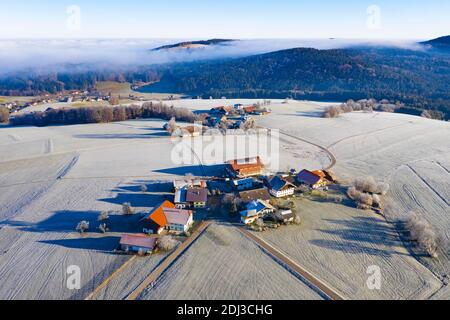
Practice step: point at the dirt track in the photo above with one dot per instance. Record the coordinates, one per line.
(281, 258)
(168, 261)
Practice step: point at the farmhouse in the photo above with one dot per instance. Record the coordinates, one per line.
(279, 187)
(314, 180)
(255, 210)
(139, 243)
(167, 217)
(178, 221)
(249, 109)
(244, 168)
(254, 195)
(223, 110)
(197, 197)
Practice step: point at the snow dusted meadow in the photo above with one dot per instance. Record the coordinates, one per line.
(53, 177)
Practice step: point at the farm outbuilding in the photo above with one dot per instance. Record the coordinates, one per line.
(138, 243)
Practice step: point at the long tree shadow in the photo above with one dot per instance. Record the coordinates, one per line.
(196, 170)
(66, 221)
(366, 235)
(122, 135)
(103, 244)
(154, 192)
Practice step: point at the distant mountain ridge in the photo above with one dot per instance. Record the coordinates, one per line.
(439, 43)
(193, 44)
(418, 78)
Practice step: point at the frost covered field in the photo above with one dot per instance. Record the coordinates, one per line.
(224, 264)
(53, 177)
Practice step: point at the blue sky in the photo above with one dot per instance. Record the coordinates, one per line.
(394, 19)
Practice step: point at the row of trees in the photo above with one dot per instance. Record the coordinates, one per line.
(67, 116)
(370, 105)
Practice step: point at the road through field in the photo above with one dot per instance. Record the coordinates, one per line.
(293, 266)
(168, 261)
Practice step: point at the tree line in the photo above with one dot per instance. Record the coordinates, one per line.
(104, 114)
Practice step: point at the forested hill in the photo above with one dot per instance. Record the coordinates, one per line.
(439, 43)
(418, 78)
(415, 77)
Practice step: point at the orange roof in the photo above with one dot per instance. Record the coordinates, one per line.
(319, 173)
(246, 164)
(158, 215)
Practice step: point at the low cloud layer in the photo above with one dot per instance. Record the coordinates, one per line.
(42, 55)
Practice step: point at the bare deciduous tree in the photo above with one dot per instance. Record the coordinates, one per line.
(260, 223)
(82, 226)
(127, 209)
(167, 243)
(103, 227)
(421, 231)
(103, 216)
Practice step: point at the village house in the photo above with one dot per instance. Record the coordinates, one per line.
(138, 243)
(197, 197)
(255, 210)
(243, 184)
(254, 195)
(178, 221)
(244, 168)
(312, 179)
(167, 217)
(280, 187)
(223, 110)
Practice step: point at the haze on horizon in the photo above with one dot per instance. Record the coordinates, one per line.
(250, 19)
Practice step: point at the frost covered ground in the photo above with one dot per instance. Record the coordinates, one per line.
(53, 177)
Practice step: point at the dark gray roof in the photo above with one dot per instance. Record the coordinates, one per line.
(196, 195)
(308, 177)
(276, 183)
(258, 194)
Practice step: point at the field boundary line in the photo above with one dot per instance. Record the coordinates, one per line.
(168, 261)
(94, 293)
(293, 266)
(428, 185)
(325, 149)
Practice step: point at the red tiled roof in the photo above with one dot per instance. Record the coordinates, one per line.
(246, 164)
(177, 216)
(138, 240)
